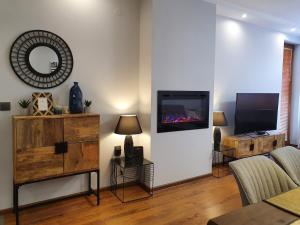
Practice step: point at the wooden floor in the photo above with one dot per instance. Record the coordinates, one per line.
(191, 203)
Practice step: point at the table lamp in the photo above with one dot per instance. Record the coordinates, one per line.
(219, 120)
(128, 125)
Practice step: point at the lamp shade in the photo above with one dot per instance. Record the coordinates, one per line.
(128, 125)
(219, 119)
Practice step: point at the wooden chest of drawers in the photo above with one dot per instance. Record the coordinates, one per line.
(246, 146)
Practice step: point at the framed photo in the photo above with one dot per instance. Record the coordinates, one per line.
(42, 104)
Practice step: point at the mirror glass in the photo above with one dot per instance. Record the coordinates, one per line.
(43, 59)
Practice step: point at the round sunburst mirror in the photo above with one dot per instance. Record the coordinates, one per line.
(41, 59)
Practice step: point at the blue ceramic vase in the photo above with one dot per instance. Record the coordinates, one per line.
(75, 99)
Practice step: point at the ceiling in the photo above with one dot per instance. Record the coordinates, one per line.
(280, 15)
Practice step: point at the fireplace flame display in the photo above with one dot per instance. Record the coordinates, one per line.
(182, 110)
(178, 119)
(179, 114)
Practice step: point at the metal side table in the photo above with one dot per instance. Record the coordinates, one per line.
(132, 179)
(221, 158)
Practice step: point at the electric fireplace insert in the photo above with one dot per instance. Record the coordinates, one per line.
(182, 110)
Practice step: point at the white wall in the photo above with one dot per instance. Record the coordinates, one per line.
(145, 75)
(248, 59)
(182, 59)
(103, 36)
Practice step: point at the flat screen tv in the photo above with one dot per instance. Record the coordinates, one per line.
(256, 112)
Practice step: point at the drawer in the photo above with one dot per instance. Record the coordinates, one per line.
(38, 133)
(37, 163)
(81, 129)
(245, 148)
(81, 157)
(280, 138)
(267, 144)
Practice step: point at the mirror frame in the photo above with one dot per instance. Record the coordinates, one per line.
(19, 59)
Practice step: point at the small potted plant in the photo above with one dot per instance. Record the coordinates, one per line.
(87, 106)
(24, 104)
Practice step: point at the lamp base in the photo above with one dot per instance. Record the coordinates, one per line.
(217, 138)
(128, 147)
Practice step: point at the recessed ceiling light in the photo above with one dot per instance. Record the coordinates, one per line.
(293, 29)
(244, 16)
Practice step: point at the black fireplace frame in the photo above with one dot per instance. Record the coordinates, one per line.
(161, 95)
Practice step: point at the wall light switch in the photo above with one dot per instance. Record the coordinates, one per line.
(4, 106)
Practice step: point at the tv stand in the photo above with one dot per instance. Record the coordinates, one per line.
(251, 145)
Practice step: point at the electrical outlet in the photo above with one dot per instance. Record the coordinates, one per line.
(5, 106)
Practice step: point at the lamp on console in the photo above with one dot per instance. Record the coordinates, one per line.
(128, 125)
(219, 120)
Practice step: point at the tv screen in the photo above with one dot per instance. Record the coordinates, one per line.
(256, 112)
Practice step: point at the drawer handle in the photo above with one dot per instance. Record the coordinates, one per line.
(61, 148)
(252, 147)
(275, 143)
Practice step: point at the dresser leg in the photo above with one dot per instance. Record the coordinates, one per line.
(16, 202)
(90, 183)
(98, 187)
(14, 199)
